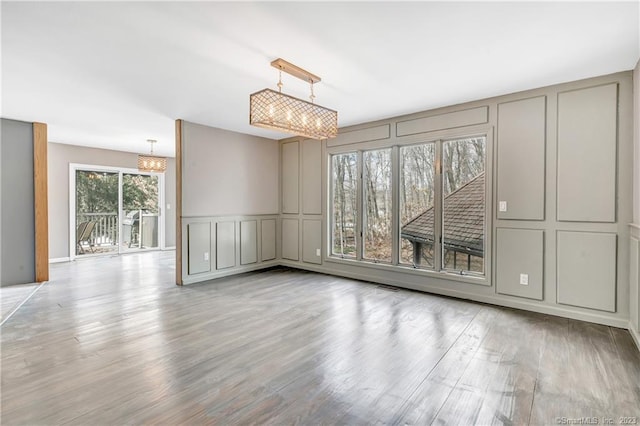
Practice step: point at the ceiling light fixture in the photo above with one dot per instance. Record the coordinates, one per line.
(277, 111)
(151, 163)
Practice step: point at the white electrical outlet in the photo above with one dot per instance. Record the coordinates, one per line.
(502, 206)
(317, 252)
(524, 279)
(206, 255)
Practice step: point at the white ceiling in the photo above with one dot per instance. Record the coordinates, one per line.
(112, 75)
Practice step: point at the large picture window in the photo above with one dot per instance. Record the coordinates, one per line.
(440, 206)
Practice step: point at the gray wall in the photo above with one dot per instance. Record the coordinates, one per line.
(17, 217)
(562, 158)
(60, 156)
(229, 202)
(227, 173)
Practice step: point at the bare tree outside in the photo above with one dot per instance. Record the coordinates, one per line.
(417, 192)
(344, 169)
(377, 205)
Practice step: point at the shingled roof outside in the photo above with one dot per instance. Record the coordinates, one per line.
(463, 220)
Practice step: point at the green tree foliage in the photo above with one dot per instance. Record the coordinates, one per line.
(97, 192)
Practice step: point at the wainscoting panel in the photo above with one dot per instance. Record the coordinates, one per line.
(520, 254)
(521, 158)
(312, 241)
(587, 150)
(311, 177)
(248, 242)
(268, 240)
(232, 241)
(586, 263)
(290, 178)
(448, 120)
(225, 245)
(361, 135)
(290, 229)
(199, 247)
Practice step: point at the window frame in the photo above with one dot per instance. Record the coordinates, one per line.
(395, 143)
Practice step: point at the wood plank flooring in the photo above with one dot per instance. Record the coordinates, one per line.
(114, 341)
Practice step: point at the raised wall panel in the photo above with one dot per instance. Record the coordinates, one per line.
(450, 120)
(362, 135)
(586, 268)
(198, 248)
(268, 239)
(290, 239)
(312, 241)
(520, 251)
(587, 123)
(225, 245)
(521, 158)
(290, 177)
(311, 176)
(248, 242)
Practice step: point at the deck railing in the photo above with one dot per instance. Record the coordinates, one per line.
(105, 231)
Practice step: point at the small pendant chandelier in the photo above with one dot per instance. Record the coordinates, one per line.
(277, 111)
(151, 163)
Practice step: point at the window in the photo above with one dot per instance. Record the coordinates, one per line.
(377, 205)
(344, 192)
(463, 189)
(417, 194)
(440, 209)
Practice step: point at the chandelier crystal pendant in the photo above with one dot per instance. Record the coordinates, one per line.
(151, 163)
(277, 111)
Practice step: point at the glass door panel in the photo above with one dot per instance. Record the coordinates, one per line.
(96, 226)
(140, 212)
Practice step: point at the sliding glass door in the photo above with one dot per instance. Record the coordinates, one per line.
(140, 212)
(114, 210)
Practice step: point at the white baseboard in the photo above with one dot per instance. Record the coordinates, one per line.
(60, 260)
(168, 248)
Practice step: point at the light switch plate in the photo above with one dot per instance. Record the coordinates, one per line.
(524, 279)
(502, 206)
(317, 252)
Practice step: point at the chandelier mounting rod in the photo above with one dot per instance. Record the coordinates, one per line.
(295, 71)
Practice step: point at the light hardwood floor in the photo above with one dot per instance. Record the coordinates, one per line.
(114, 341)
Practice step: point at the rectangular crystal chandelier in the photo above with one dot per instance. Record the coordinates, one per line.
(277, 111)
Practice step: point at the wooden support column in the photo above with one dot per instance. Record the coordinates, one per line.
(41, 202)
(178, 202)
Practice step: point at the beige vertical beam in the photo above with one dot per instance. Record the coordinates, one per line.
(179, 202)
(41, 201)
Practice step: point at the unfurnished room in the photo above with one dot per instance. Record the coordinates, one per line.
(349, 213)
